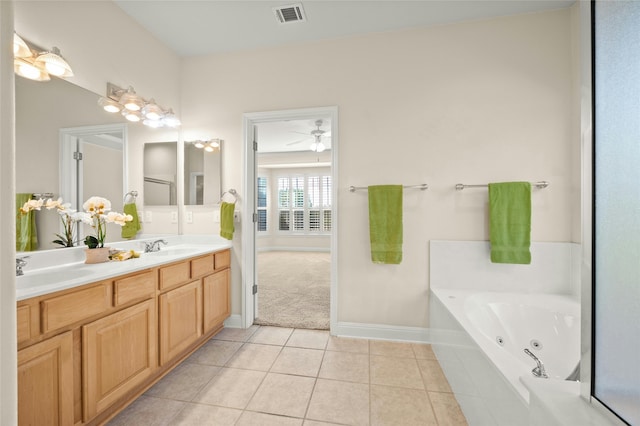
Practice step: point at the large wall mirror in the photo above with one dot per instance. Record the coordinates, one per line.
(52, 118)
(55, 114)
(161, 174)
(202, 173)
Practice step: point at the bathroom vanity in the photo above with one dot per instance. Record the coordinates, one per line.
(87, 351)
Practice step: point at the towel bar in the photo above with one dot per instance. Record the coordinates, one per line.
(233, 193)
(460, 186)
(422, 187)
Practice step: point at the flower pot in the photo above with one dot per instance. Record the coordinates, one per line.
(96, 255)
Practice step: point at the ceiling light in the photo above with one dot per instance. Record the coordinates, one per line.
(24, 67)
(109, 105)
(53, 63)
(317, 146)
(20, 48)
(131, 100)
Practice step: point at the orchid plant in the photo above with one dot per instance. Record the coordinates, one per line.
(69, 218)
(97, 213)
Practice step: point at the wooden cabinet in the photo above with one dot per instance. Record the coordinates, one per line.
(45, 382)
(86, 352)
(216, 300)
(118, 353)
(180, 313)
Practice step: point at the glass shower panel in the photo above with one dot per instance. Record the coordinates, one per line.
(616, 381)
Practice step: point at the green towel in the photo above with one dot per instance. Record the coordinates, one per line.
(385, 223)
(510, 222)
(130, 229)
(26, 233)
(226, 220)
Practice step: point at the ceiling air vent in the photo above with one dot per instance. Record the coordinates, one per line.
(290, 13)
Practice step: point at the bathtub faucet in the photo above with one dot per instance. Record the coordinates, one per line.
(538, 370)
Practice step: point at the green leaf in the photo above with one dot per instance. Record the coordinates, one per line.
(91, 241)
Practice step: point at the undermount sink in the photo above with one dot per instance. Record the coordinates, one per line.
(173, 251)
(44, 277)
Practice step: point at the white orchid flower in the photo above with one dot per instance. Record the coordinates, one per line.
(118, 218)
(31, 205)
(51, 204)
(97, 205)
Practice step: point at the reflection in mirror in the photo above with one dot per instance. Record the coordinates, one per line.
(43, 110)
(160, 173)
(201, 175)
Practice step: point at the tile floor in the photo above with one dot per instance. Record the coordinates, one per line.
(284, 376)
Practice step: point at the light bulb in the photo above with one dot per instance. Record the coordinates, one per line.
(198, 144)
(208, 148)
(133, 116)
(131, 101)
(109, 105)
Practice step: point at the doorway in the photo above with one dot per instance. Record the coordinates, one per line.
(290, 255)
(93, 162)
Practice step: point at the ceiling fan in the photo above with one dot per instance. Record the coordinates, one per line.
(317, 134)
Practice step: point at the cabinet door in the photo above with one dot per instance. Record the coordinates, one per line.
(118, 352)
(45, 382)
(180, 319)
(217, 304)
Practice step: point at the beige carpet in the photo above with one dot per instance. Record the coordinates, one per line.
(293, 289)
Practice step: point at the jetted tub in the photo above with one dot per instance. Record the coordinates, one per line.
(504, 324)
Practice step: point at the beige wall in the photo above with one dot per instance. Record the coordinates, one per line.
(473, 103)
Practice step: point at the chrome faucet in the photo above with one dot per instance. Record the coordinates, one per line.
(154, 246)
(538, 370)
(20, 263)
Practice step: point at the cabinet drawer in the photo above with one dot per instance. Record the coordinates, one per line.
(202, 266)
(173, 275)
(72, 307)
(136, 287)
(223, 259)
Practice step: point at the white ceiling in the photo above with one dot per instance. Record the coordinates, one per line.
(203, 27)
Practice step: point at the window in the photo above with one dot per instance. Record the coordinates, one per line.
(304, 204)
(262, 204)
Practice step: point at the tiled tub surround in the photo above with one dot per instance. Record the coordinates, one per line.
(282, 376)
(48, 271)
(483, 375)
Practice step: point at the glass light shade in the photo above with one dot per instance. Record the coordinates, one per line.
(26, 69)
(133, 116)
(171, 120)
(208, 148)
(152, 123)
(54, 64)
(198, 144)
(20, 48)
(215, 143)
(131, 100)
(152, 111)
(109, 105)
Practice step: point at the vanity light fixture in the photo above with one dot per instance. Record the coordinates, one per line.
(209, 146)
(53, 63)
(35, 64)
(135, 108)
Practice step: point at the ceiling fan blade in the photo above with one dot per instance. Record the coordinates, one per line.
(296, 142)
(300, 133)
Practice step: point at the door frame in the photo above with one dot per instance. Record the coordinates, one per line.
(250, 199)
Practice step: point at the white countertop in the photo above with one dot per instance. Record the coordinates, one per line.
(48, 271)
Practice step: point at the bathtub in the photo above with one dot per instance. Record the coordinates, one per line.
(503, 324)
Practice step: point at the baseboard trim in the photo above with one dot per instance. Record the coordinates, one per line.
(234, 321)
(383, 332)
